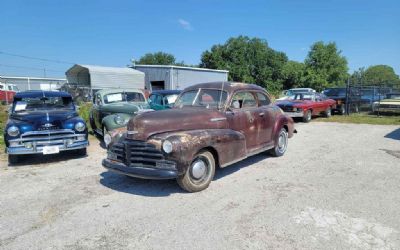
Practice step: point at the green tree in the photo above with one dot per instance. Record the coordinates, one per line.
(380, 74)
(293, 74)
(325, 66)
(248, 60)
(157, 58)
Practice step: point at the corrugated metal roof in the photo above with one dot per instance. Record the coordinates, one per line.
(100, 77)
(179, 67)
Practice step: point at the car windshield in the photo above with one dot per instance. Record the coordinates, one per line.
(42, 103)
(291, 92)
(302, 96)
(202, 97)
(123, 97)
(170, 99)
(367, 92)
(393, 96)
(335, 92)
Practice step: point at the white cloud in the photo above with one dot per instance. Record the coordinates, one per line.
(185, 24)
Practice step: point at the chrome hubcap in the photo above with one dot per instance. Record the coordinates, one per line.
(282, 142)
(199, 169)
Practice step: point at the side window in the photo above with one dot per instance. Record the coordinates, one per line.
(263, 100)
(1, 87)
(153, 98)
(243, 100)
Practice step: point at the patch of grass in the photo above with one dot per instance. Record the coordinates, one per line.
(84, 110)
(363, 118)
(3, 121)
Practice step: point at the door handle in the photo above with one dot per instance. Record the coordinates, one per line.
(261, 114)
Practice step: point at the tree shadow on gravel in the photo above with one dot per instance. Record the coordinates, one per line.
(160, 188)
(395, 134)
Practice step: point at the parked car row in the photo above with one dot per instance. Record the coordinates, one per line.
(183, 136)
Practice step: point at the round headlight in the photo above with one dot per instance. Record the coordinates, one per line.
(13, 131)
(120, 120)
(294, 109)
(80, 126)
(167, 146)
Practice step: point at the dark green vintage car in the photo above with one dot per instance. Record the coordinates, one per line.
(112, 109)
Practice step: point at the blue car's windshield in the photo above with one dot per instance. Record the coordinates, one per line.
(42, 103)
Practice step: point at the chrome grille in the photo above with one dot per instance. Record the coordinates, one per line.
(137, 152)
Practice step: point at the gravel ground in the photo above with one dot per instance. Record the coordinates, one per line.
(337, 187)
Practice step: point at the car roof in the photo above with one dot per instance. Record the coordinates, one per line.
(166, 92)
(110, 91)
(41, 93)
(227, 86)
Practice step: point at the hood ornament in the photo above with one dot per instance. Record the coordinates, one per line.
(47, 125)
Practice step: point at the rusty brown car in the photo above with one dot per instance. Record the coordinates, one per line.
(211, 125)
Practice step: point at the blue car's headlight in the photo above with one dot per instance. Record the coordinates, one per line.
(120, 120)
(13, 131)
(80, 126)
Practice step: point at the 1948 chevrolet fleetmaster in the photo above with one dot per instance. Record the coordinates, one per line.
(211, 124)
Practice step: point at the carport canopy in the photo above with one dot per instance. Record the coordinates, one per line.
(99, 77)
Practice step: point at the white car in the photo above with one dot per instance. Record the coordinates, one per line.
(294, 91)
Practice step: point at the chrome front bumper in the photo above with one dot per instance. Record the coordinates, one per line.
(34, 142)
(294, 114)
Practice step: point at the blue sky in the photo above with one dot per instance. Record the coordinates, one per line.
(110, 33)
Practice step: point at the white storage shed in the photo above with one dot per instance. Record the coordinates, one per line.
(99, 77)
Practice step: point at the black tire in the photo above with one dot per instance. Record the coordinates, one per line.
(81, 152)
(92, 124)
(13, 159)
(307, 116)
(328, 112)
(199, 174)
(281, 145)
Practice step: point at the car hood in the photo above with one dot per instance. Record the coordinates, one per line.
(38, 119)
(144, 125)
(288, 103)
(125, 107)
(390, 101)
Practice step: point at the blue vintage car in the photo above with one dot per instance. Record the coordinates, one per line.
(44, 122)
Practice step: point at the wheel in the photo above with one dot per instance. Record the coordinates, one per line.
(342, 110)
(106, 136)
(307, 116)
(13, 159)
(356, 109)
(328, 112)
(199, 174)
(81, 152)
(281, 145)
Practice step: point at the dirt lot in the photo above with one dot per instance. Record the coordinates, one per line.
(338, 187)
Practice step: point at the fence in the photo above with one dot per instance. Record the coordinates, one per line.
(368, 97)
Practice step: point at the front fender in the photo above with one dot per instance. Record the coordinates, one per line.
(110, 124)
(227, 145)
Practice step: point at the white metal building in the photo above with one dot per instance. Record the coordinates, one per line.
(178, 77)
(99, 77)
(33, 83)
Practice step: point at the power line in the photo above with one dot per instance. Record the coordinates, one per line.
(35, 58)
(30, 68)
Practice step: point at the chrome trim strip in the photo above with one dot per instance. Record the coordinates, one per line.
(217, 119)
(47, 132)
